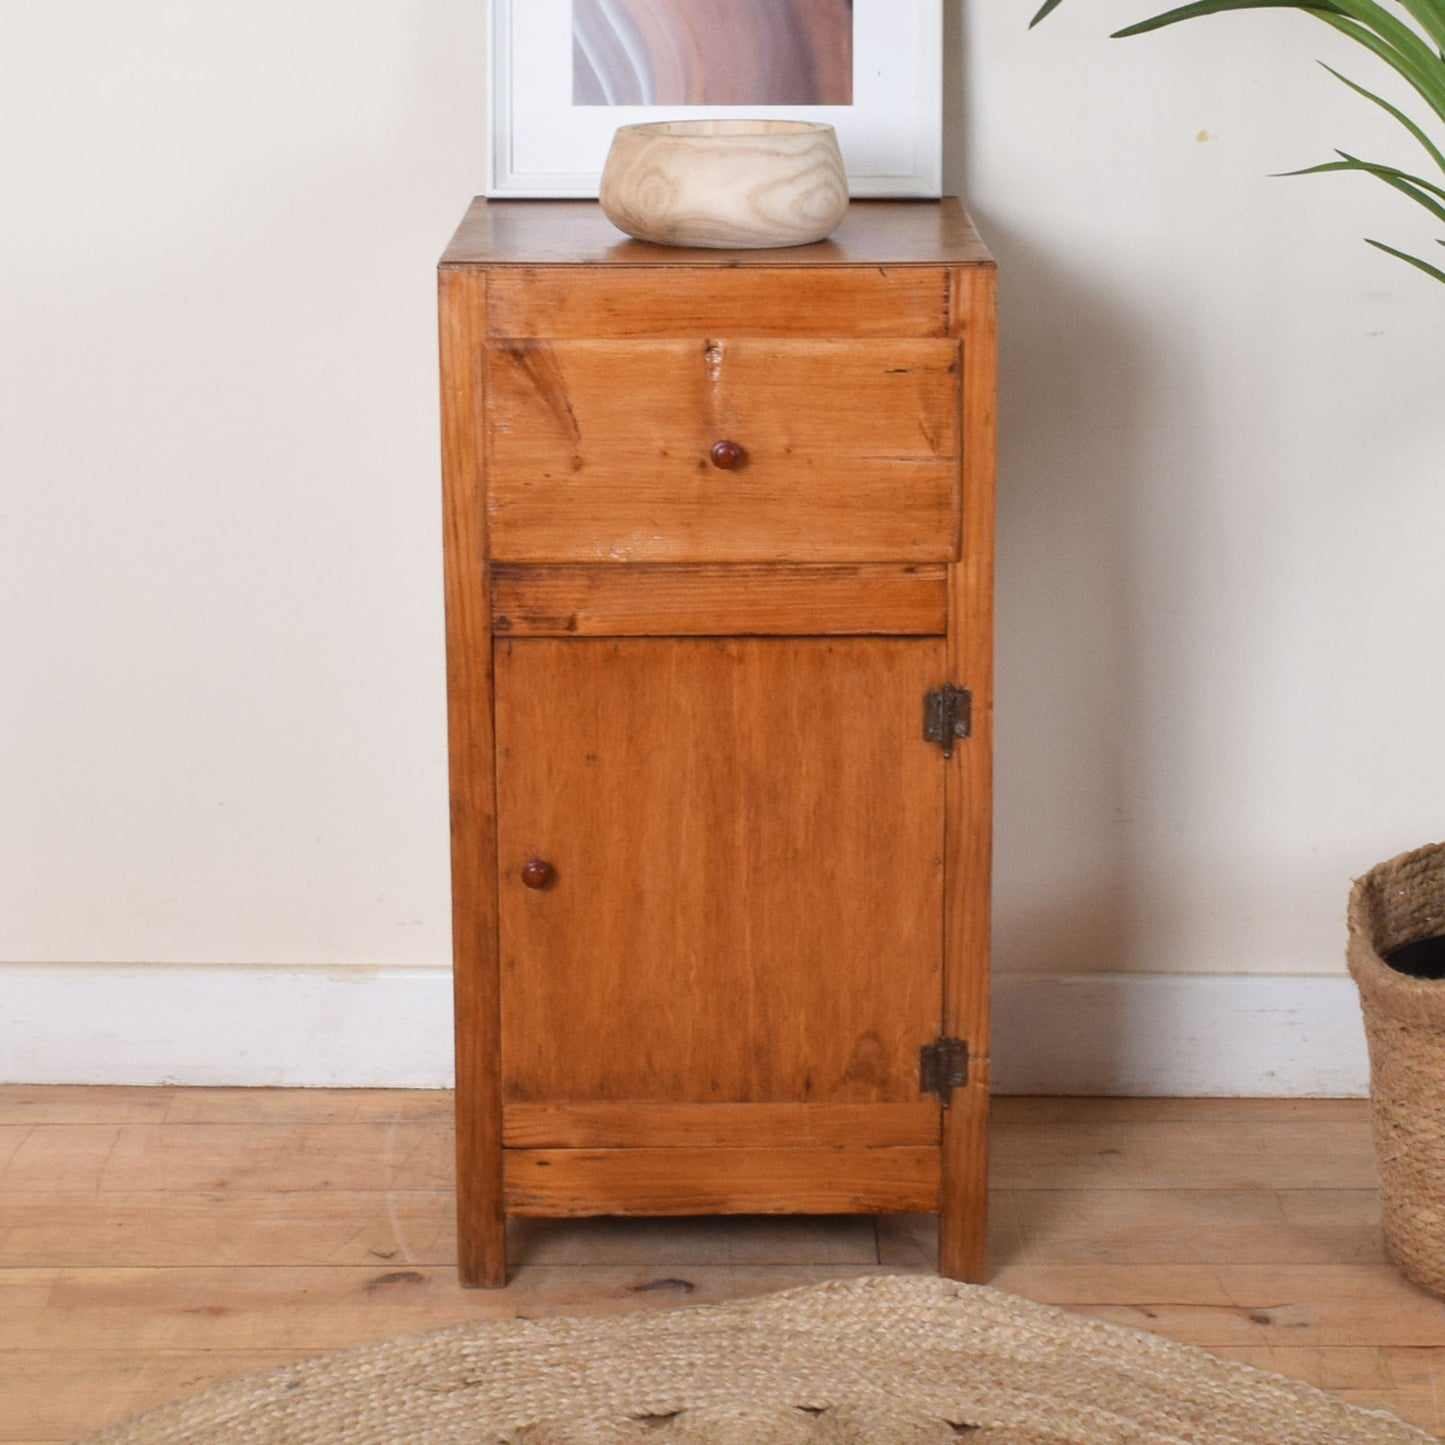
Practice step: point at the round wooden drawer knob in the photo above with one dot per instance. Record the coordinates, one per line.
(538, 874)
(726, 456)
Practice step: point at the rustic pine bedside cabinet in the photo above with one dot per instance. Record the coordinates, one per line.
(719, 565)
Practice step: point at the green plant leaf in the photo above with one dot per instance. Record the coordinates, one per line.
(1396, 172)
(1431, 15)
(1392, 31)
(1424, 266)
(1394, 110)
(1046, 9)
(1363, 21)
(1418, 58)
(1408, 185)
(1198, 8)
(1428, 81)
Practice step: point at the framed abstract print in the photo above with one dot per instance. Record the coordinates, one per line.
(566, 73)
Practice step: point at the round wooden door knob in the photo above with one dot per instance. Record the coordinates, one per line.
(726, 456)
(538, 873)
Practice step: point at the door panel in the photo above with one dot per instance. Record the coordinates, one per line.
(747, 844)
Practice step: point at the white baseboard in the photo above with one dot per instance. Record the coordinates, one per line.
(1136, 1034)
(1181, 1035)
(263, 1027)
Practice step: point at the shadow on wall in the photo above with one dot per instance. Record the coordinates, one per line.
(1073, 369)
(1095, 586)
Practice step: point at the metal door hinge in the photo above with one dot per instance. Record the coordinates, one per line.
(943, 1067)
(947, 716)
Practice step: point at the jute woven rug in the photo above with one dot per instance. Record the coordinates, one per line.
(894, 1360)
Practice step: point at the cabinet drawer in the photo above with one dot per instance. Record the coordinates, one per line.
(604, 450)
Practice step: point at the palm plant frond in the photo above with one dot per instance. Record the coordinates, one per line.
(1411, 43)
(1416, 187)
(1415, 261)
(1415, 130)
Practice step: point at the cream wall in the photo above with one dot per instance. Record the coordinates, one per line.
(221, 722)
(1222, 611)
(223, 726)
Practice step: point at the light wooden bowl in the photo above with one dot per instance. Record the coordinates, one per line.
(722, 183)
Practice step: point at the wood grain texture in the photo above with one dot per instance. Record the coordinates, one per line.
(718, 1126)
(1085, 1153)
(561, 1182)
(722, 494)
(1214, 1221)
(576, 233)
(132, 1158)
(747, 907)
(304, 1222)
(647, 1241)
(1188, 1226)
(725, 184)
(462, 312)
(963, 1231)
(600, 450)
(1252, 1305)
(548, 303)
(64, 1391)
(606, 600)
(963, 1225)
(89, 1104)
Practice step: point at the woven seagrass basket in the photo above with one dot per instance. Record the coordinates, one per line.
(1395, 904)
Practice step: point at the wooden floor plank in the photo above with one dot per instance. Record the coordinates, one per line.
(1231, 1305)
(1190, 1154)
(1404, 1381)
(1360, 1367)
(200, 1158)
(1012, 1112)
(278, 1229)
(112, 1104)
(430, 1108)
(1419, 1405)
(153, 1241)
(311, 1309)
(65, 1392)
(83, 1104)
(1190, 1226)
(377, 1229)
(303, 1309)
(1161, 1226)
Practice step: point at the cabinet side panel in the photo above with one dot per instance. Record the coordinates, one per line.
(481, 1221)
(963, 1221)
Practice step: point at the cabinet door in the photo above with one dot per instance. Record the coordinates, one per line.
(746, 843)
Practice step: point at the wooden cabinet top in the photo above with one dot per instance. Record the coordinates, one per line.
(576, 233)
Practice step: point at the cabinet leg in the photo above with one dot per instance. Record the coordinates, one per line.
(482, 1264)
(963, 1209)
(481, 1242)
(481, 1214)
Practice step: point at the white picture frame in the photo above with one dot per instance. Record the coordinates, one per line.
(541, 144)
